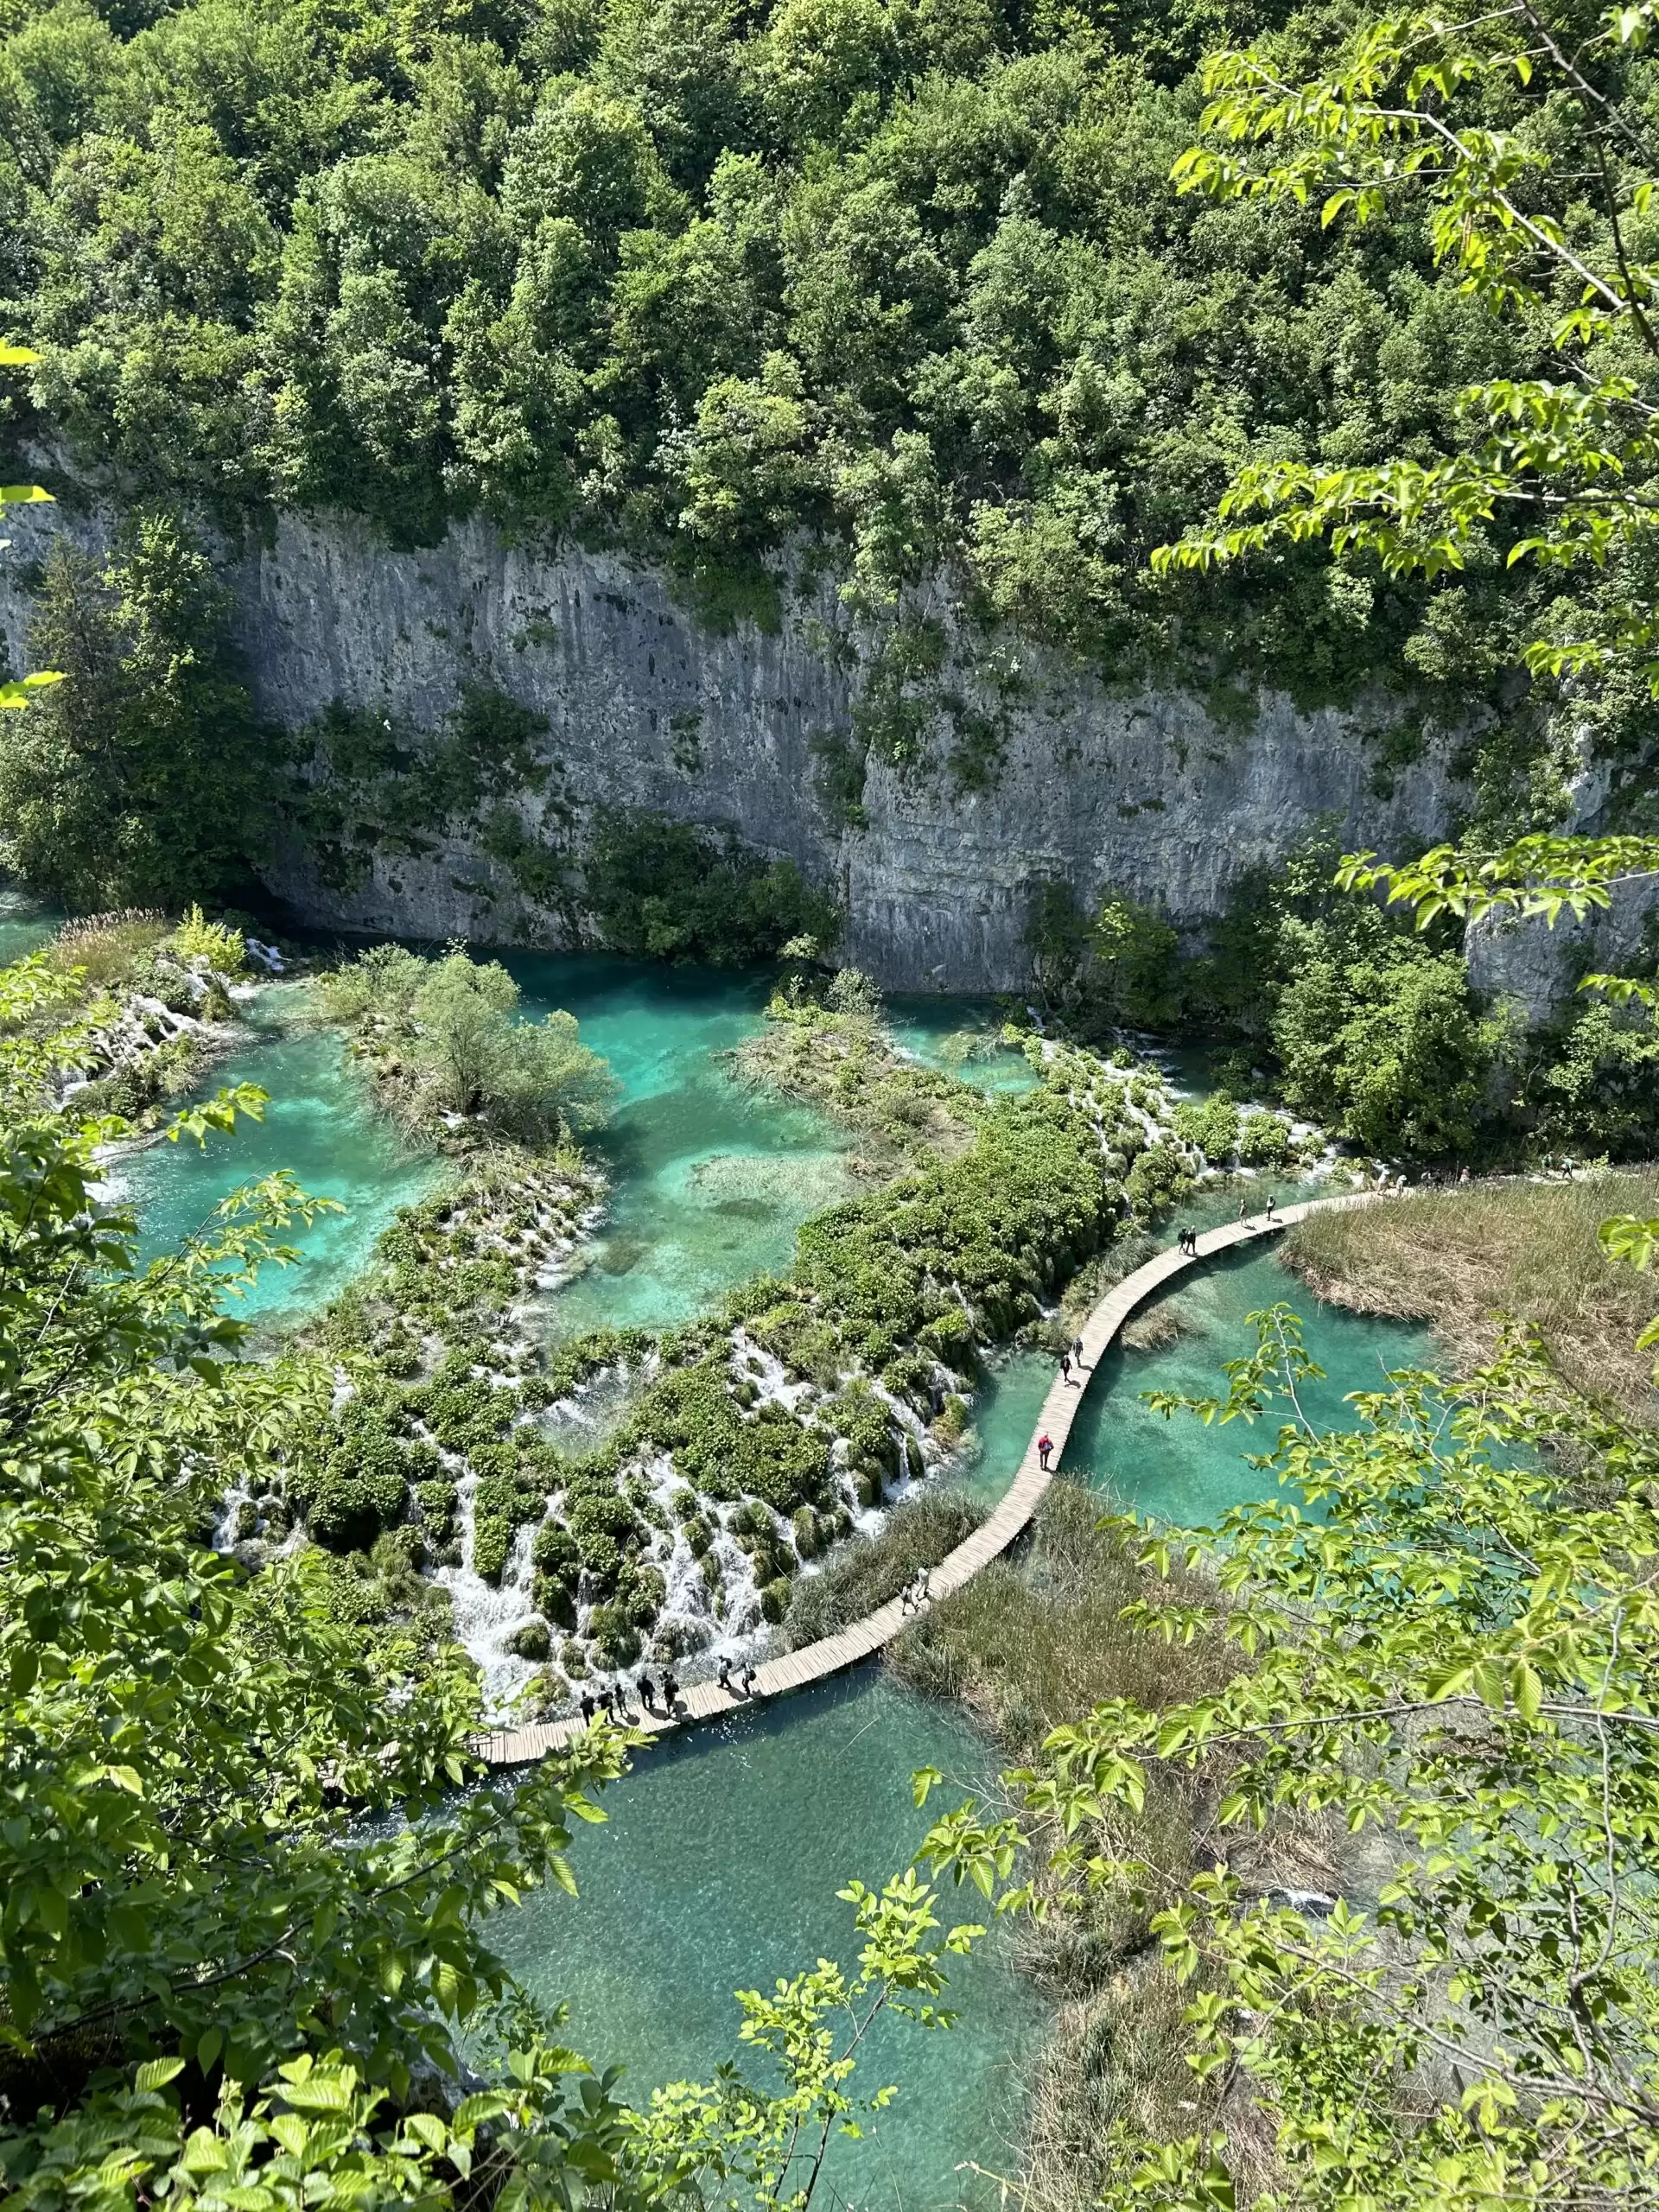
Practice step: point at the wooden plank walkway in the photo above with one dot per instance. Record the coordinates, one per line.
(814, 1662)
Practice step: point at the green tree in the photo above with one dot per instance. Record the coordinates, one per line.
(1137, 962)
(244, 1902)
(525, 1075)
(446, 1039)
(1524, 143)
(1446, 1640)
(1389, 1048)
(143, 781)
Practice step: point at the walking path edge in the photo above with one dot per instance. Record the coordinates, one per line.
(860, 1639)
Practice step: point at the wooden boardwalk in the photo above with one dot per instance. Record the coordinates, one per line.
(814, 1662)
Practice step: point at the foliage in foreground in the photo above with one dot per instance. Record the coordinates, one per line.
(241, 1908)
(1546, 224)
(1449, 1641)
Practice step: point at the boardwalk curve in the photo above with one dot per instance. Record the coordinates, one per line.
(861, 1639)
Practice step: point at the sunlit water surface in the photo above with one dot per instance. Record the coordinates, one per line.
(718, 1869)
(719, 1865)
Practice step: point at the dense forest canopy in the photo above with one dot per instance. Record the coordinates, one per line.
(711, 280)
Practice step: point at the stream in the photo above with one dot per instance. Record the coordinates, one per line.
(718, 1866)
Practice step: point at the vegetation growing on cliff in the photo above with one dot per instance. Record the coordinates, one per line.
(1360, 1022)
(141, 779)
(700, 281)
(665, 890)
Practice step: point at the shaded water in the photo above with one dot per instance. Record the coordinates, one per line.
(1176, 1469)
(24, 922)
(718, 1871)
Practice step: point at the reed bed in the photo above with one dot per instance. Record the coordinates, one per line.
(1466, 1260)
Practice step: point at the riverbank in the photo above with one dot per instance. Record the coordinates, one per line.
(1465, 1261)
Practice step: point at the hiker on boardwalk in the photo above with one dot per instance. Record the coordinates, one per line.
(724, 1677)
(746, 1682)
(1077, 1349)
(671, 1689)
(648, 1691)
(587, 1710)
(1044, 1445)
(907, 1595)
(1065, 1366)
(1272, 1203)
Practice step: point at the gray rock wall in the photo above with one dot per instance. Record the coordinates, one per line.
(1138, 789)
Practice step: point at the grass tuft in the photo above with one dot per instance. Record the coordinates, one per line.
(871, 1570)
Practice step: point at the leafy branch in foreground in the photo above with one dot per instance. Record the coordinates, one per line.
(243, 1902)
(1534, 166)
(1450, 1637)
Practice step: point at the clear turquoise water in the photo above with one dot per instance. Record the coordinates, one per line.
(1176, 1469)
(718, 1869)
(319, 1124)
(24, 922)
(710, 1180)
(927, 1026)
(1005, 1412)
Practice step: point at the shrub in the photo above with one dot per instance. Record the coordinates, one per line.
(614, 1635)
(347, 1506)
(664, 890)
(531, 1640)
(1213, 1127)
(640, 1591)
(558, 1553)
(1263, 1141)
(217, 946)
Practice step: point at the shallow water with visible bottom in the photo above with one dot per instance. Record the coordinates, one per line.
(710, 1180)
(319, 1123)
(717, 1871)
(1173, 1469)
(719, 1865)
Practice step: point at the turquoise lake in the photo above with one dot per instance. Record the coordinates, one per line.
(719, 1865)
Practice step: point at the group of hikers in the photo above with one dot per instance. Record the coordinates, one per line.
(613, 1700)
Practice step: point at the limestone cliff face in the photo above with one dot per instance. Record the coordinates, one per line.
(1140, 790)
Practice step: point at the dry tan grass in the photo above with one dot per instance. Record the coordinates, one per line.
(1029, 1646)
(1465, 1261)
(106, 945)
(1154, 1327)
